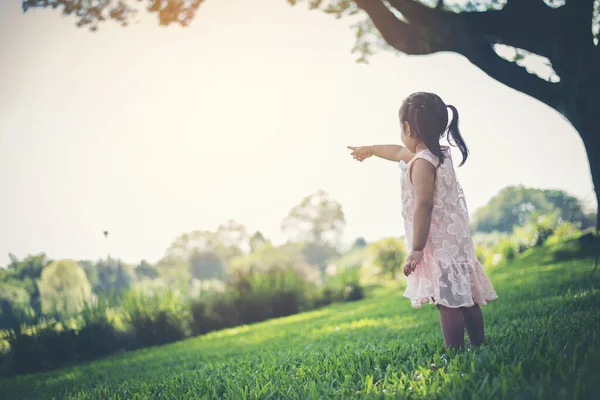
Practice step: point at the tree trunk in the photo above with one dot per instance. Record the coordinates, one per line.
(585, 117)
(591, 141)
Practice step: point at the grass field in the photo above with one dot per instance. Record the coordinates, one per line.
(543, 343)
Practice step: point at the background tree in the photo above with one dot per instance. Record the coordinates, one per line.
(64, 285)
(231, 240)
(563, 32)
(268, 257)
(256, 241)
(359, 243)
(514, 205)
(145, 270)
(25, 274)
(228, 241)
(316, 219)
(318, 254)
(109, 276)
(205, 265)
(13, 299)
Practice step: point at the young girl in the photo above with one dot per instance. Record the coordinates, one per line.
(442, 267)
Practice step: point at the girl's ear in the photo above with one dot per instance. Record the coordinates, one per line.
(406, 128)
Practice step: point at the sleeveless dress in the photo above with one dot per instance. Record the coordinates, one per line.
(449, 273)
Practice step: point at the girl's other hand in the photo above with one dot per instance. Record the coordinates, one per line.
(413, 259)
(361, 153)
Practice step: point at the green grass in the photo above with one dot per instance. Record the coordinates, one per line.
(542, 333)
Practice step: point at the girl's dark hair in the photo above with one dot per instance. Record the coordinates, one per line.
(427, 116)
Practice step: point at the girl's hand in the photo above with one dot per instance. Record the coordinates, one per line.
(413, 259)
(361, 153)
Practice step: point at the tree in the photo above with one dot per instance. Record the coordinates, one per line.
(25, 273)
(145, 270)
(514, 205)
(359, 243)
(231, 240)
(256, 241)
(109, 276)
(64, 285)
(354, 258)
(388, 255)
(317, 219)
(564, 32)
(318, 254)
(269, 257)
(227, 242)
(205, 265)
(12, 298)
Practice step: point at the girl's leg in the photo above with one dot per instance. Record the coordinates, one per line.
(452, 321)
(474, 324)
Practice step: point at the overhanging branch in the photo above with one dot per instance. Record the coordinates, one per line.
(410, 38)
(513, 75)
(418, 39)
(526, 24)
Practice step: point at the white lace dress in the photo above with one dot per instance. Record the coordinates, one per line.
(449, 273)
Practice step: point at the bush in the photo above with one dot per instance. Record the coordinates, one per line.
(206, 316)
(536, 230)
(274, 293)
(485, 255)
(157, 318)
(97, 333)
(507, 249)
(162, 316)
(13, 300)
(252, 296)
(344, 286)
(388, 255)
(565, 231)
(52, 342)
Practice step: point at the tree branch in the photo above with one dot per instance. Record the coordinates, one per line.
(416, 39)
(513, 75)
(525, 24)
(409, 38)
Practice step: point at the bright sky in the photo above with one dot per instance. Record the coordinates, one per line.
(150, 132)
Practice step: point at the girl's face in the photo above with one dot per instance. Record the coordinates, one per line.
(408, 138)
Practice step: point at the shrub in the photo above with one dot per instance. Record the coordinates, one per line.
(388, 255)
(507, 249)
(36, 348)
(485, 255)
(97, 333)
(565, 231)
(157, 318)
(344, 286)
(536, 230)
(273, 293)
(44, 343)
(205, 316)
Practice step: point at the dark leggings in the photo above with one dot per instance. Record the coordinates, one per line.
(454, 321)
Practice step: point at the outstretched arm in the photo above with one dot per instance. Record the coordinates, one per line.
(390, 152)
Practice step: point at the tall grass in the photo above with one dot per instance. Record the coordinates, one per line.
(156, 318)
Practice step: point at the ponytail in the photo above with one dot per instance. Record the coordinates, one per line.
(422, 125)
(454, 136)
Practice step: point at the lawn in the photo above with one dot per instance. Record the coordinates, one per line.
(543, 343)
